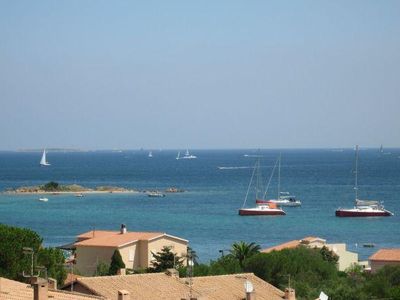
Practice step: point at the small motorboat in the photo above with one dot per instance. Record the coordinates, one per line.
(79, 195)
(43, 199)
(155, 194)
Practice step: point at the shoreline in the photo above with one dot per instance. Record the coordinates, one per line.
(71, 192)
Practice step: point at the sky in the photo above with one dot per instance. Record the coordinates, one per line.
(199, 74)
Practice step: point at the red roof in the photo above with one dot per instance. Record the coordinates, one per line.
(386, 255)
(114, 238)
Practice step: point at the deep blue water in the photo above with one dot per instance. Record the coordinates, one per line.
(206, 214)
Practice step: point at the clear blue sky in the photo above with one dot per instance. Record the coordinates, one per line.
(199, 74)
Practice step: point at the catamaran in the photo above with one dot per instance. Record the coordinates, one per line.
(261, 209)
(363, 208)
(43, 161)
(284, 198)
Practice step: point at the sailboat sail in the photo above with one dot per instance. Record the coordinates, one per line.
(43, 161)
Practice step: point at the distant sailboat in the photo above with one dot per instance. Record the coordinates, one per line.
(150, 154)
(43, 161)
(188, 155)
(179, 155)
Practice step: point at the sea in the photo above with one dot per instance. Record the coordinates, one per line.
(215, 187)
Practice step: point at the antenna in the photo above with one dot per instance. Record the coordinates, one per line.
(189, 273)
(29, 250)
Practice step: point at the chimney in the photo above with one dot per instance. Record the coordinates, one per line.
(52, 283)
(290, 294)
(123, 229)
(40, 290)
(123, 295)
(251, 296)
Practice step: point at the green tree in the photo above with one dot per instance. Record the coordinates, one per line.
(191, 254)
(102, 269)
(329, 255)
(165, 259)
(12, 259)
(385, 283)
(242, 250)
(116, 263)
(51, 186)
(53, 260)
(308, 271)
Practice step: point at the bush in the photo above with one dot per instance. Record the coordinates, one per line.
(51, 186)
(116, 263)
(102, 269)
(307, 268)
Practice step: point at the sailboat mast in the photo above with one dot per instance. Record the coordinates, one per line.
(279, 176)
(356, 174)
(258, 178)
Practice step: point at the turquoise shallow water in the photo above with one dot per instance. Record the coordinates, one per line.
(206, 214)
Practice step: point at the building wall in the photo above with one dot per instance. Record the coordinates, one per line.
(346, 258)
(130, 255)
(177, 246)
(376, 264)
(144, 254)
(87, 258)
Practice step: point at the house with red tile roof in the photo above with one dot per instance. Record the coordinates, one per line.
(384, 257)
(136, 248)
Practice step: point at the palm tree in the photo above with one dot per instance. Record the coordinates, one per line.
(242, 250)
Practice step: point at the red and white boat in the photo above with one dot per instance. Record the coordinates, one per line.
(364, 211)
(262, 209)
(363, 208)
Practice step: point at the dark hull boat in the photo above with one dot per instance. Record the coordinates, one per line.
(363, 208)
(355, 212)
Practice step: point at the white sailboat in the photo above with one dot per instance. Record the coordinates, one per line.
(188, 155)
(284, 198)
(362, 208)
(179, 155)
(43, 161)
(150, 154)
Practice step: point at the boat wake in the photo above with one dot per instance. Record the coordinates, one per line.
(233, 168)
